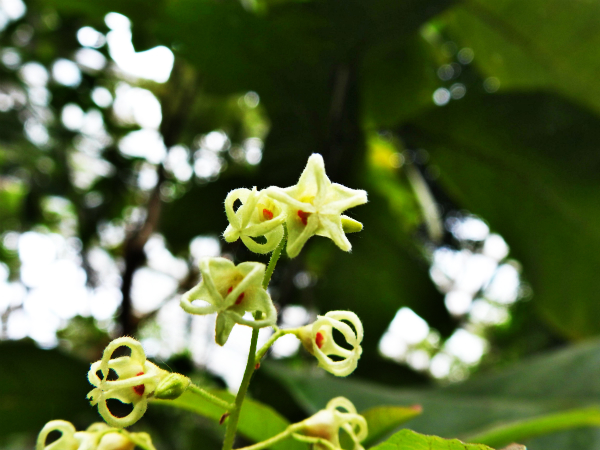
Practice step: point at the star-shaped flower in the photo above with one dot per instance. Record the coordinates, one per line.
(259, 215)
(137, 379)
(317, 338)
(315, 206)
(98, 436)
(327, 423)
(230, 291)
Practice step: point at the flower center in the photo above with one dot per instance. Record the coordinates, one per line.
(240, 297)
(303, 216)
(139, 389)
(319, 338)
(267, 214)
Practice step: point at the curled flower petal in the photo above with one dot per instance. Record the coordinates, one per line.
(317, 338)
(98, 436)
(66, 441)
(259, 215)
(230, 291)
(326, 424)
(315, 206)
(137, 379)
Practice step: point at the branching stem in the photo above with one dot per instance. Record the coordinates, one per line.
(234, 417)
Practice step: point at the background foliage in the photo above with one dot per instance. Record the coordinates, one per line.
(439, 109)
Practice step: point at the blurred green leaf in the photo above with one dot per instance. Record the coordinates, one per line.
(556, 382)
(37, 386)
(257, 421)
(538, 426)
(533, 45)
(407, 439)
(382, 420)
(511, 160)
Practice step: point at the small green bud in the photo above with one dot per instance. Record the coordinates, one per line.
(350, 225)
(172, 386)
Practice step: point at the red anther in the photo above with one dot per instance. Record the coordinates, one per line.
(303, 216)
(267, 214)
(257, 366)
(139, 389)
(319, 339)
(223, 417)
(229, 290)
(239, 299)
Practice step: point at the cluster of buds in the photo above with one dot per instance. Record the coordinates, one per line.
(98, 436)
(317, 338)
(230, 291)
(137, 381)
(323, 428)
(313, 206)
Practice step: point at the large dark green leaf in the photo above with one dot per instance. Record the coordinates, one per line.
(37, 386)
(558, 381)
(513, 160)
(537, 44)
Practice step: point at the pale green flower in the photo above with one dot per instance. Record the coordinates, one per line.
(315, 206)
(259, 215)
(230, 291)
(98, 436)
(327, 423)
(317, 338)
(137, 379)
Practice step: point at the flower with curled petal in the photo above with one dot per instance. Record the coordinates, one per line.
(323, 428)
(317, 338)
(98, 436)
(315, 206)
(259, 215)
(231, 291)
(137, 379)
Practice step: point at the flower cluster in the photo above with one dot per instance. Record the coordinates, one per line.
(313, 206)
(230, 291)
(137, 380)
(323, 428)
(98, 436)
(317, 338)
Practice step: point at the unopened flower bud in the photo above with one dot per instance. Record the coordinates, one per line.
(172, 386)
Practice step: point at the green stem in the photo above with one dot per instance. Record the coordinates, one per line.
(239, 399)
(274, 258)
(278, 333)
(210, 397)
(269, 442)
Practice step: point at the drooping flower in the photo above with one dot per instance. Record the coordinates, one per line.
(317, 338)
(136, 380)
(98, 436)
(259, 215)
(231, 291)
(315, 206)
(327, 423)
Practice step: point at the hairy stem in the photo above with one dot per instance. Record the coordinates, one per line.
(269, 442)
(278, 333)
(274, 258)
(239, 399)
(210, 397)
